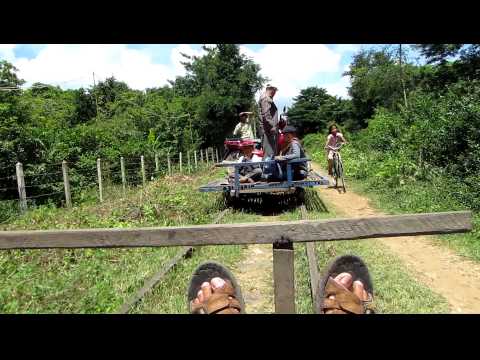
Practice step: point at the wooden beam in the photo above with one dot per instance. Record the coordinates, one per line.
(249, 233)
(284, 278)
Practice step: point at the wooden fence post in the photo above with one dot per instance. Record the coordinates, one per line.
(195, 156)
(169, 165)
(66, 184)
(206, 155)
(201, 155)
(142, 164)
(216, 152)
(157, 165)
(21, 187)
(189, 166)
(283, 278)
(180, 159)
(99, 174)
(124, 179)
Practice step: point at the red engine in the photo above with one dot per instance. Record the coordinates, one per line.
(233, 148)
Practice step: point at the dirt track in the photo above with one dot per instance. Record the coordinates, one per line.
(439, 268)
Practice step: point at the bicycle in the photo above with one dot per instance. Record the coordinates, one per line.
(338, 166)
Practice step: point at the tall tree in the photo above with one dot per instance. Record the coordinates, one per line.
(222, 82)
(376, 81)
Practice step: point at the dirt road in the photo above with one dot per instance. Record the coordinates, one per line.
(439, 268)
(254, 274)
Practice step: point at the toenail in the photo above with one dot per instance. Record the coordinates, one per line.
(218, 283)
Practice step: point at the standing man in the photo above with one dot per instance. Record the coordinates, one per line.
(268, 121)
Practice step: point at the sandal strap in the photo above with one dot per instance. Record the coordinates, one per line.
(222, 301)
(345, 301)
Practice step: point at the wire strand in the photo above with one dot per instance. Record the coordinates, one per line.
(43, 195)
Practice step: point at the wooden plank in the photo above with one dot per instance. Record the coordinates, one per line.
(249, 233)
(22, 195)
(185, 252)
(66, 184)
(312, 265)
(283, 278)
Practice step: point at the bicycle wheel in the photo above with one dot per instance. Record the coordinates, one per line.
(340, 172)
(335, 170)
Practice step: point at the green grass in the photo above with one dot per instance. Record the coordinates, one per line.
(100, 280)
(396, 290)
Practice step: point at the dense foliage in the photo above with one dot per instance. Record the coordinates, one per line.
(46, 125)
(423, 156)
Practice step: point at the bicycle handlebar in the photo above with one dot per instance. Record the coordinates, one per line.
(336, 148)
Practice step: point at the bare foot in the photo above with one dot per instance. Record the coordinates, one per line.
(345, 280)
(208, 289)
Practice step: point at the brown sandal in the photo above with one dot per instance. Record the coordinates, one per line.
(345, 302)
(227, 300)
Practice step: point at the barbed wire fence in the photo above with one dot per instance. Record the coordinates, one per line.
(65, 184)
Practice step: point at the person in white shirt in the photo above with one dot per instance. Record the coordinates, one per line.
(334, 138)
(244, 128)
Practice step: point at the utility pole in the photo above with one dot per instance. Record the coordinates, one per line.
(401, 77)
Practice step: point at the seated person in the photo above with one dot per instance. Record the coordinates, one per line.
(292, 150)
(249, 173)
(243, 129)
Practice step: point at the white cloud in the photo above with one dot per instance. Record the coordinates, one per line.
(177, 58)
(6, 52)
(72, 66)
(339, 88)
(292, 67)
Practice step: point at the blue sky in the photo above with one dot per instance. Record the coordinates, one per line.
(290, 67)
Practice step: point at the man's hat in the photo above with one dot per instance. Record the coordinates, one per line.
(289, 129)
(270, 86)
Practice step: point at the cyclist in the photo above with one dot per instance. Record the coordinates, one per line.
(334, 139)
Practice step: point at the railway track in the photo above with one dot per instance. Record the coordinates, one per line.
(184, 253)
